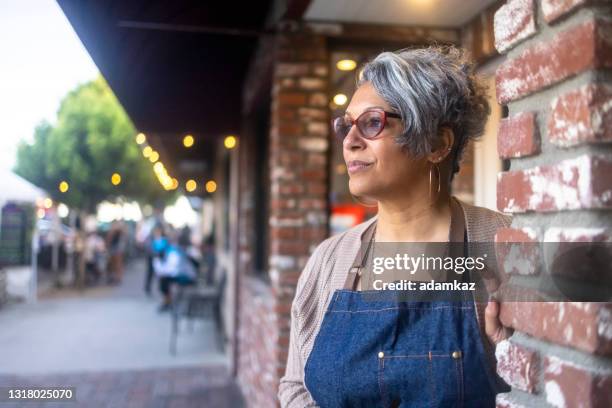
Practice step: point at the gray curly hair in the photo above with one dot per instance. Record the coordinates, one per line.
(431, 88)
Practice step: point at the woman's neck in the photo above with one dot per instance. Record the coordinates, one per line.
(405, 220)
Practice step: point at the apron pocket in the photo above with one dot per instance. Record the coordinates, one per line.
(433, 379)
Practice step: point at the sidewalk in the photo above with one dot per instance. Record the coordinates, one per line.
(112, 344)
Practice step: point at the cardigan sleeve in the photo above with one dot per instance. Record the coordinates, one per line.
(292, 391)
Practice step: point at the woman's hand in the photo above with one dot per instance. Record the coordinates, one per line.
(496, 332)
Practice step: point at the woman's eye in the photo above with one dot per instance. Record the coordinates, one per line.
(373, 122)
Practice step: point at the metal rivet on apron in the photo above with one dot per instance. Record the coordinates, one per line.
(456, 354)
(381, 354)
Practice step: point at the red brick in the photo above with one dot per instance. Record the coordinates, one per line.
(282, 307)
(518, 136)
(585, 326)
(282, 204)
(289, 248)
(316, 160)
(513, 23)
(517, 365)
(313, 203)
(288, 69)
(555, 9)
(291, 189)
(291, 98)
(283, 232)
(569, 384)
(317, 188)
(314, 175)
(289, 129)
(313, 113)
(286, 114)
(581, 116)
(318, 99)
(579, 183)
(310, 84)
(518, 251)
(582, 47)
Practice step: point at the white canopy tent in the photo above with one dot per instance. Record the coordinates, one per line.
(14, 188)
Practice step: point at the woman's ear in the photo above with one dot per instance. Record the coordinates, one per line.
(444, 145)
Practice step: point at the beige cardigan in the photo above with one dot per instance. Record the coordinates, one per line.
(326, 271)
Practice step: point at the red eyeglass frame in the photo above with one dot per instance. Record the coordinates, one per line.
(353, 122)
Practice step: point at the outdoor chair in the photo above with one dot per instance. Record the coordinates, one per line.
(199, 301)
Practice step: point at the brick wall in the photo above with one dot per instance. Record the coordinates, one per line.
(298, 160)
(557, 84)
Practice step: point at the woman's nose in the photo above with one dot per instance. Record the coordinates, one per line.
(353, 139)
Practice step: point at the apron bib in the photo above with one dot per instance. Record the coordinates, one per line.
(396, 353)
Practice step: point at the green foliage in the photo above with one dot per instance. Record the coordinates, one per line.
(93, 139)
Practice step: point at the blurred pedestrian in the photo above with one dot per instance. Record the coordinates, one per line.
(116, 242)
(172, 266)
(94, 253)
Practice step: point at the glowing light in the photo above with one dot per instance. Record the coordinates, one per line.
(62, 210)
(191, 185)
(141, 138)
(63, 186)
(116, 179)
(48, 203)
(154, 156)
(188, 141)
(230, 142)
(346, 65)
(158, 167)
(174, 184)
(340, 99)
(211, 186)
(146, 152)
(40, 213)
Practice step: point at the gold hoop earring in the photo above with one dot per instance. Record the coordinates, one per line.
(365, 204)
(434, 166)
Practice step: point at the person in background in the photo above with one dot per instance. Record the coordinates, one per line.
(172, 266)
(116, 241)
(94, 253)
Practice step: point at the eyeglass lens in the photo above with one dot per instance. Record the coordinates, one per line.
(369, 123)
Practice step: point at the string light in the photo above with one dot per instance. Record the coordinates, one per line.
(230, 142)
(116, 179)
(210, 186)
(346, 65)
(188, 141)
(63, 186)
(340, 99)
(191, 185)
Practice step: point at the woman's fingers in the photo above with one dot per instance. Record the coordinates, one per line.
(494, 329)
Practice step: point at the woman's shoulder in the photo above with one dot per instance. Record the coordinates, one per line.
(329, 254)
(346, 240)
(482, 223)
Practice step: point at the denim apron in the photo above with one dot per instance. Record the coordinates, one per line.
(399, 353)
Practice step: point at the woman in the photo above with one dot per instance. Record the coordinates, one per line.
(172, 266)
(403, 134)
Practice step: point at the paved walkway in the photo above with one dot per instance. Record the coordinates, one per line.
(113, 346)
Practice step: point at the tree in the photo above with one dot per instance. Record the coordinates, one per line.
(93, 139)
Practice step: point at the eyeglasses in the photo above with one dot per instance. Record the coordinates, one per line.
(370, 123)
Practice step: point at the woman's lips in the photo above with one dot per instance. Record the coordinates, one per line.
(357, 166)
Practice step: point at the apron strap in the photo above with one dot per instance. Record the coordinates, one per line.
(355, 272)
